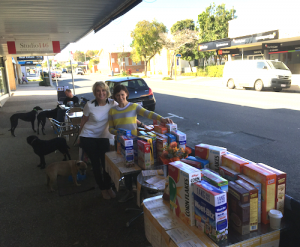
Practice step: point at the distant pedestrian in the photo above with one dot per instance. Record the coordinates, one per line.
(24, 79)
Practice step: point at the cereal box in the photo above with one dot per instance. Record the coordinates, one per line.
(181, 179)
(160, 129)
(258, 187)
(228, 174)
(149, 140)
(144, 157)
(171, 127)
(233, 162)
(280, 186)
(171, 138)
(211, 210)
(180, 136)
(181, 144)
(211, 153)
(149, 128)
(126, 141)
(201, 163)
(128, 155)
(268, 188)
(214, 179)
(153, 137)
(253, 195)
(239, 208)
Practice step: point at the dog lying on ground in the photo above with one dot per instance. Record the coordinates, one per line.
(42, 116)
(28, 117)
(64, 168)
(42, 148)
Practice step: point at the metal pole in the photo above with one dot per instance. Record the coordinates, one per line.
(72, 75)
(49, 71)
(175, 58)
(242, 53)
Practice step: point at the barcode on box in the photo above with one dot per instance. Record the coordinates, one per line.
(253, 228)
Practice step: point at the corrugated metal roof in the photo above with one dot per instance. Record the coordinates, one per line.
(56, 20)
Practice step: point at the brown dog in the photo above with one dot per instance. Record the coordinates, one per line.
(64, 168)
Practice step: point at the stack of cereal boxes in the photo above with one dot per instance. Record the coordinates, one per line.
(127, 150)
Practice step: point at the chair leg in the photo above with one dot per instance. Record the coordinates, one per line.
(128, 223)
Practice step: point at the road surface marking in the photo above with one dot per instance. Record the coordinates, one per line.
(173, 115)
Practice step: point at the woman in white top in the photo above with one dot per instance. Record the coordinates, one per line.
(94, 135)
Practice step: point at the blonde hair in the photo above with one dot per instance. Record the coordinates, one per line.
(102, 85)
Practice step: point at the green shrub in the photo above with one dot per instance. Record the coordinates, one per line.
(211, 71)
(189, 74)
(167, 78)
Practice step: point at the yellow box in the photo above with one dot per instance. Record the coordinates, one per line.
(271, 239)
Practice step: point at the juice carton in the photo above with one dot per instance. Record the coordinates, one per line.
(181, 179)
(211, 210)
(211, 153)
(171, 127)
(171, 138)
(268, 188)
(160, 129)
(149, 140)
(144, 156)
(280, 186)
(228, 174)
(233, 162)
(180, 136)
(253, 195)
(214, 179)
(239, 208)
(258, 187)
(203, 163)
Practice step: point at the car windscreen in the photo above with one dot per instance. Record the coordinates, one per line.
(135, 84)
(278, 65)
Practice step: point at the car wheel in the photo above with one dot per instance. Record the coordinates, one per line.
(259, 85)
(277, 89)
(230, 84)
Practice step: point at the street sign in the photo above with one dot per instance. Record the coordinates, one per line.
(178, 55)
(230, 52)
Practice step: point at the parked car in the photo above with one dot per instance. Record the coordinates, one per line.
(56, 74)
(139, 92)
(64, 71)
(79, 71)
(258, 74)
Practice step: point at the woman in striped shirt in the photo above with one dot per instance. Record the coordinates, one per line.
(125, 116)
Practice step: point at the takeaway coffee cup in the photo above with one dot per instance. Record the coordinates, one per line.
(275, 218)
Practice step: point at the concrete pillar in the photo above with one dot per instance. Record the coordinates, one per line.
(10, 73)
(266, 55)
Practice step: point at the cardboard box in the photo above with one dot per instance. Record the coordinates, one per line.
(193, 163)
(149, 140)
(144, 155)
(268, 188)
(214, 179)
(239, 208)
(181, 144)
(271, 239)
(253, 242)
(253, 195)
(211, 153)
(280, 186)
(171, 127)
(211, 210)
(171, 138)
(181, 179)
(180, 136)
(233, 162)
(153, 137)
(228, 173)
(256, 185)
(149, 128)
(160, 129)
(126, 141)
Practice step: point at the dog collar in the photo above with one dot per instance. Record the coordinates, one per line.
(35, 110)
(33, 141)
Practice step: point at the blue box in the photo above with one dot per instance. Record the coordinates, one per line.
(79, 177)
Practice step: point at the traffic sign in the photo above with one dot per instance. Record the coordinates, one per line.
(178, 55)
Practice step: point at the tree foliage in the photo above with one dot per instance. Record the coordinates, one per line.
(80, 56)
(213, 24)
(146, 37)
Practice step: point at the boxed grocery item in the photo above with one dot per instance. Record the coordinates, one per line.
(211, 153)
(160, 135)
(171, 138)
(149, 140)
(280, 186)
(211, 210)
(128, 155)
(144, 155)
(181, 144)
(271, 239)
(228, 173)
(242, 158)
(135, 147)
(253, 195)
(258, 187)
(233, 162)
(180, 136)
(126, 141)
(160, 129)
(239, 208)
(214, 179)
(181, 179)
(149, 128)
(197, 162)
(268, 188)
(123, 132)
(171, 127)
(153, 137)
(142, 133)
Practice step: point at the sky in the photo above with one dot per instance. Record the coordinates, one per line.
(117, 33)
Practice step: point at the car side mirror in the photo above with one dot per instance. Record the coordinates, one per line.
(265, 67)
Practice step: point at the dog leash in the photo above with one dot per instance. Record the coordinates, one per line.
(33, 141)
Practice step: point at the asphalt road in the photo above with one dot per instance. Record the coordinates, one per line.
(260, 126)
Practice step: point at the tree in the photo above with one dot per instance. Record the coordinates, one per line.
(121, 57)
(145, 44)
(213, 25)
(79, 56)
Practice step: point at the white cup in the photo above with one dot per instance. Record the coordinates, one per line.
(275, 218)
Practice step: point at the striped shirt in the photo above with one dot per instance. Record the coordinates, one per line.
(126, 117)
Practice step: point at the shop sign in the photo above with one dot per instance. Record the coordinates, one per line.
(223, 44)
(228, 52)
(271, 47)
(259, 37)
(30, 58)
(19, 46)
(207, 46)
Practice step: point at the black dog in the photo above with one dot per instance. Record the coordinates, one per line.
(28, 117)
(42, 148)
(42, 116)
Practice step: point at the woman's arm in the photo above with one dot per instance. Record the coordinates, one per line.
(151, 115)
(111, 129)
(84, 119)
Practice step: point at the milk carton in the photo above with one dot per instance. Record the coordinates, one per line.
(144, 154)
(211, 153)
(181, 179)
(211, 210)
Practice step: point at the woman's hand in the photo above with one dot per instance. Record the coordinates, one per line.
(167, 120)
